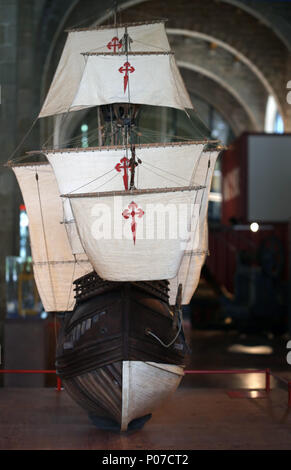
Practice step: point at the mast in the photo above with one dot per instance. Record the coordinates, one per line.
(115, 9)
(112, 128)
(132, 167)
(126, 40)
(125, 47)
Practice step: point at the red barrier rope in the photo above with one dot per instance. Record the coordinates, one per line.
(248, 371)
(226, 371)
(27, 371)
(186, 372)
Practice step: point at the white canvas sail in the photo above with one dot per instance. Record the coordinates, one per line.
(145, 37)
(88, 170)
(190, 270)
(135, 236)
(197, 248)
(135, 78)
(54, 266)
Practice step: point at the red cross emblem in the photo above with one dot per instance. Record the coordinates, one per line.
(132, 211)
(114, 44)
(127, 67)
(126, 165)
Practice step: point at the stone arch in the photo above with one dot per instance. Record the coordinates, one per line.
(244, 59)
(267, 15)
(214, 94)
(226, 86)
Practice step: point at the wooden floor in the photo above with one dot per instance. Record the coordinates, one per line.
(195, 418)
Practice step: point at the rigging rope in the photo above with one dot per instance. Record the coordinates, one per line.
(46, 250)
(72, 279)
(151, 45)
(165, 171)
(92, 181)
(158, 133)
(195, 168)
(10, 159)
(150, 333)
(165, 177)
(106, 182)
(45, 239)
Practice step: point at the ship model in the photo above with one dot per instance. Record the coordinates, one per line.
(118, 230)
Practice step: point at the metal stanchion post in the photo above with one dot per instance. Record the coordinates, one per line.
(59, 384)
(268, 376)
(289, 277)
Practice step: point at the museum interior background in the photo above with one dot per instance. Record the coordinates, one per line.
(235, 59)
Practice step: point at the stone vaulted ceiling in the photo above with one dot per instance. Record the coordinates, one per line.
(242, 48)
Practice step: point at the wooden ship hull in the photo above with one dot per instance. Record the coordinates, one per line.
(121, 351)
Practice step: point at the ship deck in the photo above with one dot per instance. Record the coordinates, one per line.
(196, 417)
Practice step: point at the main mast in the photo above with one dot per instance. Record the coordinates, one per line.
(127, 112)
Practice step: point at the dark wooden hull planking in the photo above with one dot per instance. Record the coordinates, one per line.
(111, 324)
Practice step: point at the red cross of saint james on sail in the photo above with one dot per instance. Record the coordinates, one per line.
(132, 211)
(114, 44)
(124, 167)
(127, 67)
